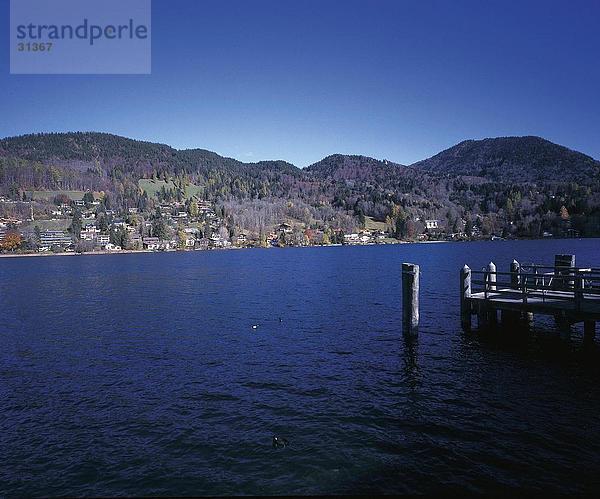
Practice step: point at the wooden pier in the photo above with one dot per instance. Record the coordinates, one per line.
(569, 293)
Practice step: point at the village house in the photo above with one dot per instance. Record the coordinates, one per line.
(50, 238)
(219, 242)
(103, 239)
(151, 243)
(351, 238)
(432, 224)
(285, 228)
(89, 233)
(190, 242)
(136, 241)
(202, 244)
(10, 221)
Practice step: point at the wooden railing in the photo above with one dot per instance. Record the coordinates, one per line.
(569, 284)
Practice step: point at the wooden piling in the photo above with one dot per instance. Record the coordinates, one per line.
(491, 268)
(410, 299)
(510, 318)
(562, 266)
(483, 317)
(527, 319)
(465, 295)
(492, 313)
(589, 331)
(515, 267)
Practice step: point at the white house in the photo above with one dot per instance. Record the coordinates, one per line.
(89, 233)
(151, 243)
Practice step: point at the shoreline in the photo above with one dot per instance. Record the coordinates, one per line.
(132, 252)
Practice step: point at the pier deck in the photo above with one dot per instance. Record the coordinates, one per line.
(568, 293)
(550, 302)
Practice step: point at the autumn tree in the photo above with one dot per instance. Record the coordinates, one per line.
(181, 238)
(193, 209)
(11, 241)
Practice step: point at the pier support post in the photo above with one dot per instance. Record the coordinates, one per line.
(589, 331)
(410, 299)
(515, 268)
(483, 316)
(492, 313)
(562, 266)
(510, 318)
(563, 324)
(528, 319)
(465, 295)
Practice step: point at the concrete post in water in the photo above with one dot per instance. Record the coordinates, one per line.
(465, 294)
(410, 298)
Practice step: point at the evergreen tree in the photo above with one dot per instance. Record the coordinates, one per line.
(469, 228)
(159, 228)
(37, 234)
(76, 224)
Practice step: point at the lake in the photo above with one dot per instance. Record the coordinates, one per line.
(142, 374)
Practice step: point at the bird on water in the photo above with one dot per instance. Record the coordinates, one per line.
(280, 442)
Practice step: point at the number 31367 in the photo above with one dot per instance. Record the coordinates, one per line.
(34, 47)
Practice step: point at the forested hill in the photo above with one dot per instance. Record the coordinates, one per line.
(93, 149)
(511, 184)
(515, 159)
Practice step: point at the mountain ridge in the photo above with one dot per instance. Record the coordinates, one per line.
(526, 158)
(514, 183)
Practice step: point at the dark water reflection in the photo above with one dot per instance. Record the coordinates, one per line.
(141, 374)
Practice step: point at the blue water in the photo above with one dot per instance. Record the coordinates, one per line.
(142, 375)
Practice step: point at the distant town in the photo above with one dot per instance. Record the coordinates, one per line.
(76, 222)
(89, 192)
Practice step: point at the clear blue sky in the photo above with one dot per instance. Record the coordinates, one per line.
(301, 79)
